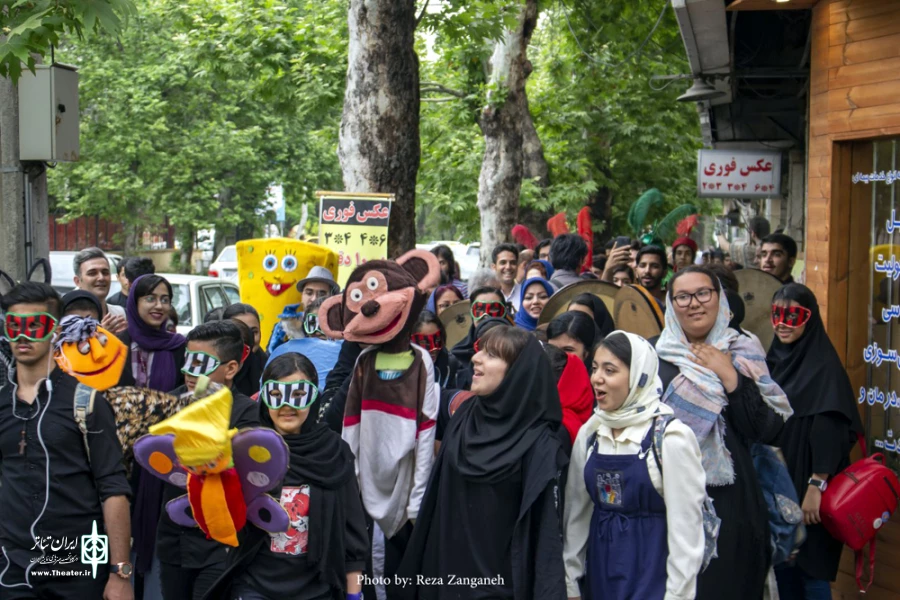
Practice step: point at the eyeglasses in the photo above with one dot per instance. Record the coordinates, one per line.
(296, 394)
(199, 363)
(311, 324)
(152, 300)
(434, 341)
(703, 296)
(488, 309)
(790, 316)
(34, 327)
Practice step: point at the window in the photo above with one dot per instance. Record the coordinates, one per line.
(232, 293)
(181, 300)
(229, 254)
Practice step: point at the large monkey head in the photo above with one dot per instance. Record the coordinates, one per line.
(382, 299)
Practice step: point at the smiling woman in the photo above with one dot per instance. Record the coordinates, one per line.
(534, 295)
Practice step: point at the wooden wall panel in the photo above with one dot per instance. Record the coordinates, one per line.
(854, 95)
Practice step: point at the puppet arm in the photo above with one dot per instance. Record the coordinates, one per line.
(425, 439)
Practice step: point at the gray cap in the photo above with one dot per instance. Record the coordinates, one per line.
(319, 274)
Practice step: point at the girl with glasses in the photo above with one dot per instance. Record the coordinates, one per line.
(717, 383)
(818, 437)
(323, 553)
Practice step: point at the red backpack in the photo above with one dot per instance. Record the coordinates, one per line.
(857, 503)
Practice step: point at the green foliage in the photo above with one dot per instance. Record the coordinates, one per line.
(32, 27)
(199, 106)
(604, 129)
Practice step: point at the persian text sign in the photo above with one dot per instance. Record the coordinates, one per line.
(355, 226)
(738, 174)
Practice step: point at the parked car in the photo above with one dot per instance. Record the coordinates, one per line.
(194, 296)
(63, 274)
(225, 266)
(468, 262)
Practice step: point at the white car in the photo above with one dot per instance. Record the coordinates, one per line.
(468, 262)
(194, 296)
(225, 266)
(63, 274)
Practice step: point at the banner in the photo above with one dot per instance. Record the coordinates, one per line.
(738, 174)
(355, 226)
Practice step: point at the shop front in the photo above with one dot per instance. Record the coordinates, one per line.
(853, 225)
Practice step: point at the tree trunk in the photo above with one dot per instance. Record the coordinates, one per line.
(12, 206)
(535, 166)
(502, 123)
(132, 238)
(379, 139)
(186, 237)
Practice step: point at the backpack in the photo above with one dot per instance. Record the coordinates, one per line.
(82, 407)
(857, 503)
(711, 522)
(786, 530)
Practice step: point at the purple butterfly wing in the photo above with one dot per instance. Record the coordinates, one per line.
(266, 513)
(156, 453)
(261, 460)
(180, 512)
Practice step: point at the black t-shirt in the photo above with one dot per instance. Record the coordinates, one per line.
(77, 487)
(281, 570)
(187, 547)
(119, 299)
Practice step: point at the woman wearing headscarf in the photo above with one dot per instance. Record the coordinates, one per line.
(632, 532)
(428, 333)
(817, 439)
(595, 308)
(533, 297)
(155, 357)
(717, 383)
(489, 513)
(575, 333)
(443, 298)
(323, 553)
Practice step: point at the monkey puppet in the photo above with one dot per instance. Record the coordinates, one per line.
(393, 400)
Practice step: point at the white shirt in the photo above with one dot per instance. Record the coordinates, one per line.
(116, 311)
(683, 491)
(515, 296)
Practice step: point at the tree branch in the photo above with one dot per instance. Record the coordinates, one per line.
(422, 14)
(432, 86)
(450, 99)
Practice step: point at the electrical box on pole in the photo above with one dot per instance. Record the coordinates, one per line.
(48, 114)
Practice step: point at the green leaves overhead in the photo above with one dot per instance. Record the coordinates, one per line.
(35, 26)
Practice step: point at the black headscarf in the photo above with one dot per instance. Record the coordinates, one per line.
(738, 311)
(602, 318)
(809, 370)
(464, 351)
(488, 436)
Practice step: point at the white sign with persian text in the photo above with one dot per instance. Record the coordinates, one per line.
(738, 174)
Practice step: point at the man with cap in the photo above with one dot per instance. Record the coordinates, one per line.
(81, 303)
(319, 283)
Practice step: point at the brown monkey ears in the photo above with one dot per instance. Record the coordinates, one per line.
(424, 268)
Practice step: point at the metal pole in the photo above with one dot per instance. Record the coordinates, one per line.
(29, 223)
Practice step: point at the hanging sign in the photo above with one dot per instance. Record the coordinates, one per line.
(738, 174)
(355, 226)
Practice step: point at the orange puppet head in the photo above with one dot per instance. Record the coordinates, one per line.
(89, 353)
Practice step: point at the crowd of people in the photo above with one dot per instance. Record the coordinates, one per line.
(526, 461)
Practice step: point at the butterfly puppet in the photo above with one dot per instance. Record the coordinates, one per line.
(226, 472)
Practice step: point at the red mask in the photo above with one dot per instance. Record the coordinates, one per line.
(790, 316)
(435, 341)
(35, 327)
(488, 309)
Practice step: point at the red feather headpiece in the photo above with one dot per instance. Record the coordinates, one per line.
(587, 234)
(557, 225)
(525, 236)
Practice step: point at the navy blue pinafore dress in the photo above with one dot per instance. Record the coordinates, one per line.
(627, 548)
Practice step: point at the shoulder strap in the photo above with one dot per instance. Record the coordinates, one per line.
(83, 406)
(860, 561)
(659, 431)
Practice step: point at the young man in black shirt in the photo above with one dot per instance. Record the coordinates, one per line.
(57, 484)
(190, 563)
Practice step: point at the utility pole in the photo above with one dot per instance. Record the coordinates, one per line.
(24, 210)
(12, 185)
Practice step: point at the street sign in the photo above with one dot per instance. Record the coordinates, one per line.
(738, 174)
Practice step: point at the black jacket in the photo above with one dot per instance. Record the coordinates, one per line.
(334, 397)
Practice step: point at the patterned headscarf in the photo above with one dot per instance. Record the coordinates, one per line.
(697, 395)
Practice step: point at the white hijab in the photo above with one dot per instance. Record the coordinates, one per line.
(645, 388)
